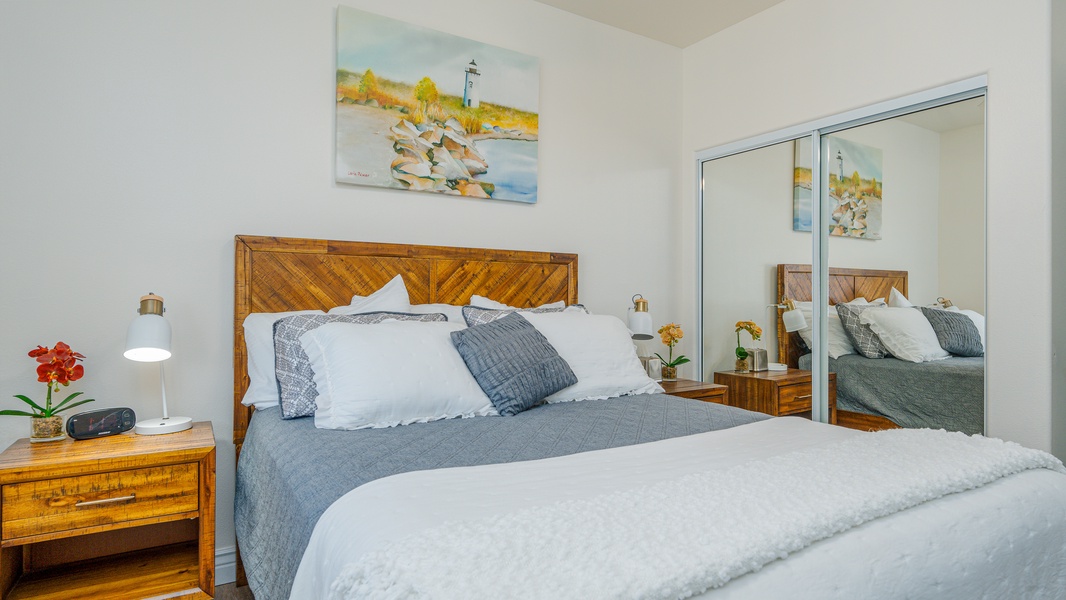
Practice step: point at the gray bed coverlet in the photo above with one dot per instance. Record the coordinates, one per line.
(941, 394)
(290, 472)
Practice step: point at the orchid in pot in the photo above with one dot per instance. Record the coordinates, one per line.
(57, 366)
(742, 355)
(671, 334)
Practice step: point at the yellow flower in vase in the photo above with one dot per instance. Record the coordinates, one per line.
(754, 330)
(671, 334)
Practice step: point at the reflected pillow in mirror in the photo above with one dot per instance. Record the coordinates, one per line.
(955, 332)
(905, 333)
(861, 335)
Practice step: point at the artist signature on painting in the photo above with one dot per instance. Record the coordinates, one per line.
(358, 174)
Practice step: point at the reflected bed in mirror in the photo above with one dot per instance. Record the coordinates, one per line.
(881, 393)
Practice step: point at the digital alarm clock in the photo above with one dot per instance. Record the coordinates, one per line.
(99, 423)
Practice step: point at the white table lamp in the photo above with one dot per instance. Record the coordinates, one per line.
(148, 340)
(792, 318)
(640, 319)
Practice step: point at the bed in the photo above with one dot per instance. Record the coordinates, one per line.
(886, 393)
(313, 506)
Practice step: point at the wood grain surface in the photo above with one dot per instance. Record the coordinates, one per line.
(116, 498)
(153, 536)
(777, 393)
(696, 390)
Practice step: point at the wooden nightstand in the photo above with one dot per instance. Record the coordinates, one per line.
(126, 516)
(776, 393)
(696, 390)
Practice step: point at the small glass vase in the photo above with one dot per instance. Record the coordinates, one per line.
(742, 366)
(669, 373)
(46, 429)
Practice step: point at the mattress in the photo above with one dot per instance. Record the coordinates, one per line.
(290, 472)
(942, 394)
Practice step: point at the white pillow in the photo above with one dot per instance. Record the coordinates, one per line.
(839, 343)
(978, 320)
(390, 373)
(600, 352)
(453, 312)
(905, 332)
(259, 341)
(896, 299)
(391, 297)
(483, 302)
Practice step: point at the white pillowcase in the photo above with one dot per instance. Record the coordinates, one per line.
(483, 302)
(839, 343)
(896, 299)
(599, 350)
(390, 373)
(259, 341)
(391, 297)
(905, 332)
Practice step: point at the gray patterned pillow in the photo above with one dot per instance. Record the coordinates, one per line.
(862, 337)
(955, 331)
(296, 379)
(513, 363)
(475, 315)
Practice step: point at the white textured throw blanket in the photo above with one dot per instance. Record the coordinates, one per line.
(682, 537)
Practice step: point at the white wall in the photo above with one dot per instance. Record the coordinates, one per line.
(138, 137)
(748, 230)
(961, 223)
(1057, 224)
(791, 64)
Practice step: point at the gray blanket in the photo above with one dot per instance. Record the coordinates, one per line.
(290, 472)
(941, 394)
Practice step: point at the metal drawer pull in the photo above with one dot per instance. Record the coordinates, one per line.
(807, 397)
(106, 500)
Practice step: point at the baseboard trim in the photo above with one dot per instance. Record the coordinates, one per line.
(225, 565)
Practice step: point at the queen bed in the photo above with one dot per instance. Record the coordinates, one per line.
(615, 494)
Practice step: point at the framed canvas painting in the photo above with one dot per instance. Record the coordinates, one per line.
(855, 189)
(422, 110)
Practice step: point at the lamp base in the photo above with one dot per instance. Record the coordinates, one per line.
(160, 425)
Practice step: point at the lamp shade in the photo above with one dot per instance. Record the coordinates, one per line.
(148, 339)
(640, 319)
(793, 320)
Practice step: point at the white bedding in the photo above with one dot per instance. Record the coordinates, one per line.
(1006, 539)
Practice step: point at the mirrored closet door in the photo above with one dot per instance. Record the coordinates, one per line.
(899, 340)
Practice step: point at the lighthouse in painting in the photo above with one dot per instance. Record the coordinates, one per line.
(471, 95)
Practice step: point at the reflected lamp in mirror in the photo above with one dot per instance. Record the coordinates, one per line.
(792, 318)
(148, 340)
(640, 319)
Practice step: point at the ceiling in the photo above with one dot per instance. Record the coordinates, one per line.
(679, 23)
(950, 116)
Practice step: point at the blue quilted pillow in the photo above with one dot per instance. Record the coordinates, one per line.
(513, 363)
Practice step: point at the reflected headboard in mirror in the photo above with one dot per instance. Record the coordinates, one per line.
(794, 282)
(276, 274)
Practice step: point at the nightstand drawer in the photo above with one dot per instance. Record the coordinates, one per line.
(69, 503)
(794, 398)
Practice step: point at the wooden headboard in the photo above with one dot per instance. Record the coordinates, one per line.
(281, 274)
(794, 282)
